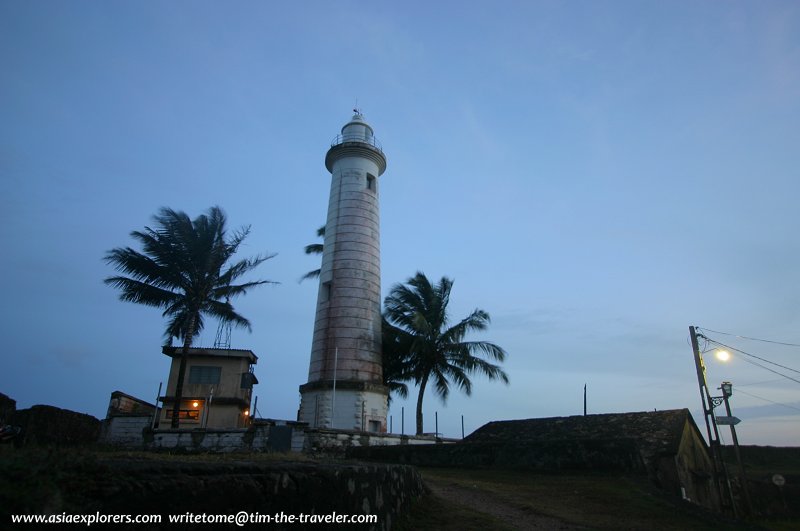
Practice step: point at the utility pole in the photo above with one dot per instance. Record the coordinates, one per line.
(709, 404)
(727, 391)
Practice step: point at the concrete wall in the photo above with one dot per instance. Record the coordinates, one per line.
(256, 438)
(337, 443)
(134, 432)
(357, 407)
(126, 431)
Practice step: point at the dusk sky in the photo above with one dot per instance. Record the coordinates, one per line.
(597, 176)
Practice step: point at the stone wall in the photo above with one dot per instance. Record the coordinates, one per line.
(7, 408)
(52, 426)
(175, 485)
(601, 455)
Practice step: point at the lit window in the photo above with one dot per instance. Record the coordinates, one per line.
(186, 414)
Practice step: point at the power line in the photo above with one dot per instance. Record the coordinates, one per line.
(750, 338)
(751, 362)
(753, 355)
(758, 383)
(766, 399)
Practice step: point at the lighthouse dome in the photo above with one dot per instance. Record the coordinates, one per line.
(357, 130)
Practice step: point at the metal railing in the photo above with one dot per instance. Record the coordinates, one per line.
(361, 138)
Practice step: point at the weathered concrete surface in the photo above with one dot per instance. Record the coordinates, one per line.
(336, 443)
(175, 485)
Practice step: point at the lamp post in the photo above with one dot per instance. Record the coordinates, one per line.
(709, 403)
(727, 391)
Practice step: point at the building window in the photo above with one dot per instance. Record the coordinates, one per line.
(199, 374)
(185, 414)
(370, 182)
(188, 410)
(326, 291)
(374, 426)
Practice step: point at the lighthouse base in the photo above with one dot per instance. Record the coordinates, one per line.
(361, 406)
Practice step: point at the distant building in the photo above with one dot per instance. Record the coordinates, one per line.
(217, 388)
(667, 443)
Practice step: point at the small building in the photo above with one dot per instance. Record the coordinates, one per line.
(126, 418)
(217, 388)
(124, 405)
(668, 444)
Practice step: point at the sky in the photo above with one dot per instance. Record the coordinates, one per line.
(597, 176)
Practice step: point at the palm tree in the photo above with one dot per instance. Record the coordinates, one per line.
(436, 352)
(184, 269)
(314, 248)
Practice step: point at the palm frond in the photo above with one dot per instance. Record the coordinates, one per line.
(226, 314)
(311, 274)
(141, 292)
(183, 269)
(314, 248)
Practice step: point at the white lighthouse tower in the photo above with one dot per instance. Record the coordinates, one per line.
(345, 377)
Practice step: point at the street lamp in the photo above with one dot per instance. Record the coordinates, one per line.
(727, 392)
(722, 355)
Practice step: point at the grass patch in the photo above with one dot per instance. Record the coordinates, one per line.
(594, 501)
(432, 512)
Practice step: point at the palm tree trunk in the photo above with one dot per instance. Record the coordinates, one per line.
(187, 344)
(422, 385)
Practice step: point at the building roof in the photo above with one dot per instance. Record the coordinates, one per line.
(175, 352)
(115, 394)
(656, 432)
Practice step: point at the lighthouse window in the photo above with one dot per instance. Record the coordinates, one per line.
(370, 181)
(326, 291)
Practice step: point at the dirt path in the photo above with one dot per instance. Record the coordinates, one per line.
(485, 502)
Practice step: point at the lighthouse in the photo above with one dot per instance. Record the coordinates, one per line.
(345, 377)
